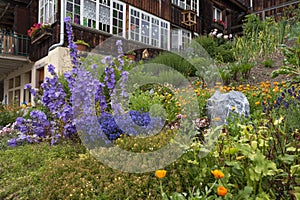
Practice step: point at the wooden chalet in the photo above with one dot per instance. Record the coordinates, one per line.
(160, 24)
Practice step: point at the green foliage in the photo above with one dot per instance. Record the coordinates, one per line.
(218, 48)
(9, 114)
(268, 63)
(82, 42)
(156, 99)
(291, 63)
(176, 62)
(260, 38)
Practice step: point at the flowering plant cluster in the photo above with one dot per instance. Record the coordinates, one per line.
(219, 22)
(217, 34)
(35, 28)
(61, 118)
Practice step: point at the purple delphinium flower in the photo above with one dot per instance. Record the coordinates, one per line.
(119, 47)
(72, 45)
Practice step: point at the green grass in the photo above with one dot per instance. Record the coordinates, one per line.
(67, 171)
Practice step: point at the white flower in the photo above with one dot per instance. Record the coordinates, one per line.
(230, 35)
(219, 35)
(225, 37)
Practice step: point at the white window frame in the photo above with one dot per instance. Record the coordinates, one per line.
(181, 36)
(194, 5)
(109, 4)
(215, 13)
(48, 16)
(163, 28)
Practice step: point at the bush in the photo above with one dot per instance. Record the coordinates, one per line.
(218, 48)
(176, 62)
(9, 114)
(268, 63)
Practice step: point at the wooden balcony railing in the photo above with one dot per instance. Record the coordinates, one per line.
(14, 44)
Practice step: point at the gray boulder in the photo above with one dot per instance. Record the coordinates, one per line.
(220, 106)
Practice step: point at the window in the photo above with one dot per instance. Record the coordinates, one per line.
(148, 29)
(14, 94)
(217, 14)
(89, 13)
(180, 39)
(47, 11)
(105, 15)
(187, 4)
(73, 10)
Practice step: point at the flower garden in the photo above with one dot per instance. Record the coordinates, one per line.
(44, 154)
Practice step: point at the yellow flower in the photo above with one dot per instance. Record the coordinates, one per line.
(161, 173)
(217, 119)
(257, 103)
(222, 191)
(217, 173)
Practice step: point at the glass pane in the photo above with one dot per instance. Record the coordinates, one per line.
(104, 15)
(115, 22)
(77, 19)
(77, 2)
(69, 7)
(17, 97)
(11, 83)
(115, 30)
(17, 81)
(77, 10)
(84, 21)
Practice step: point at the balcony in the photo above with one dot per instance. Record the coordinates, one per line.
(14, 49)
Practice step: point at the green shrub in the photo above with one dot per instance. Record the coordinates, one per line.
(176, 62)
(218, 48)
(268, 63)
(9, 114)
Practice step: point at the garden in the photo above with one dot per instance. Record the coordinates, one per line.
(115, 129)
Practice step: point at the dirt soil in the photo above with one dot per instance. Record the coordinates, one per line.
(260, 73)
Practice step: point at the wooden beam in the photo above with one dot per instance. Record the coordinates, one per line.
(7, 6)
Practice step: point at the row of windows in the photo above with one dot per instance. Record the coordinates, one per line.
(110, 16)
(187, 4)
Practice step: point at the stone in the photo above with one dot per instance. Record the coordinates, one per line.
(220, 106)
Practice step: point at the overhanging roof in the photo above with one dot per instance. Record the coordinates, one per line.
(11, 63)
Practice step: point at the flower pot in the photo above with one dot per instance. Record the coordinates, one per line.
(41, 35)
(82, 47)
(131, 57)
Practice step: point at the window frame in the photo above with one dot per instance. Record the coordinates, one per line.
(194, 5)
(181, 38)
(215, 13)
(49, 17)
(136, 34)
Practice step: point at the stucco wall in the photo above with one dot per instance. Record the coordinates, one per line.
(59, 57)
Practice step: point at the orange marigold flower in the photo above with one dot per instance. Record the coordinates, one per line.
(161, 173)
(217, 173)
(222, 191)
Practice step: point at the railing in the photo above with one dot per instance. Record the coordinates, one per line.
(14, 44)
(283, 5)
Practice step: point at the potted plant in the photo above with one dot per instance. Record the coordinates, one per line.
(39, 32)
(82, 45)
(131, 55)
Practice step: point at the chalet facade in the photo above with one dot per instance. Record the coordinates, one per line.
(161, 24)
(268, 8)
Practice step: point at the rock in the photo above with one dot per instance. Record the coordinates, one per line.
(219, 106)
